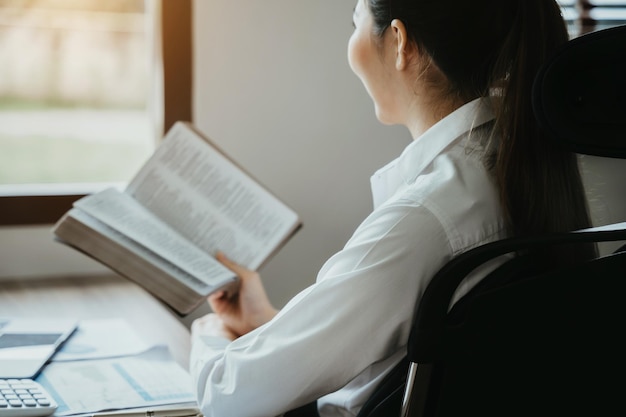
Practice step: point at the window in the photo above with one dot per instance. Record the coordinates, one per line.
(166, 98)
(73, 90)
(584, 16)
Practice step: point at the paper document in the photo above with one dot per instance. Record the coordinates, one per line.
(149, 379)
(101, 338)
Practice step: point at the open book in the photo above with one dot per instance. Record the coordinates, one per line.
(186, 203)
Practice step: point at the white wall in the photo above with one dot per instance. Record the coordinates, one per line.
(274, 90)
(605, 184)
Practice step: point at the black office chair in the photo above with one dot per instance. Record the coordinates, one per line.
(525, 341)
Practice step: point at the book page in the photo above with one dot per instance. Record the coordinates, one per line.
(160, 262)
(207, 198)
(120, 212)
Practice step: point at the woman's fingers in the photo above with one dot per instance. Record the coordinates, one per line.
(218, 301)
(233, 266)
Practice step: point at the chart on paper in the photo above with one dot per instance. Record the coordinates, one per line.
(148, 379)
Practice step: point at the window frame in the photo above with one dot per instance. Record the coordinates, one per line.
(583, 21)
(45, 205)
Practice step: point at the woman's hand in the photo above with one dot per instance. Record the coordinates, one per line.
(247, 308)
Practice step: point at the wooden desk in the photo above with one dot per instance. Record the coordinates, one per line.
(97, 297)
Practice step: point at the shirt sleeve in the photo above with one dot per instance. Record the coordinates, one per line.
(356, 314)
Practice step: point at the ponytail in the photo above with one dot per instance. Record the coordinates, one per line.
(540, 186)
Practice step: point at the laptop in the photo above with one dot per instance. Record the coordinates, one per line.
(26, 345)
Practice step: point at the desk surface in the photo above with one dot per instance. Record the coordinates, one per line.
(97, 297)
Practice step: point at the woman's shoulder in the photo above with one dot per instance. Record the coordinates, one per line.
(459, 192)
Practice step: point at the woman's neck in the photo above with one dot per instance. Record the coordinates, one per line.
(424, 114)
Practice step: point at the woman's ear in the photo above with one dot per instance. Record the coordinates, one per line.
(401, 43)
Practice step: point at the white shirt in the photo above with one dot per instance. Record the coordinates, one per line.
(337, 339)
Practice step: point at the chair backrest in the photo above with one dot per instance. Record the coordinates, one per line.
(527, 341)
(542, 342)
(580, 95)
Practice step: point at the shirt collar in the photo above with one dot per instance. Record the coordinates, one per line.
(422, 151)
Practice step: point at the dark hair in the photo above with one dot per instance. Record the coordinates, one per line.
(487, 46)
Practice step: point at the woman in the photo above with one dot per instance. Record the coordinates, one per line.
(458, 75)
